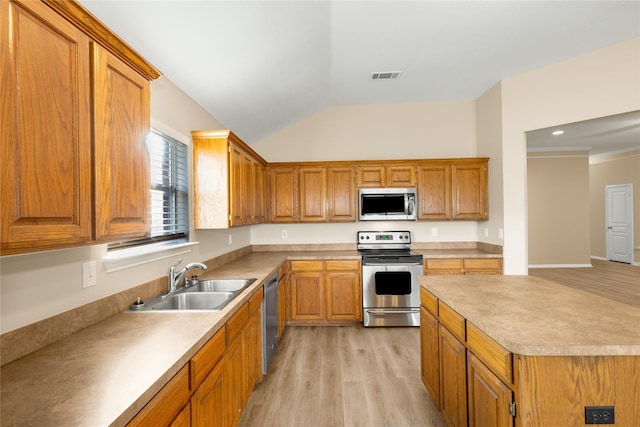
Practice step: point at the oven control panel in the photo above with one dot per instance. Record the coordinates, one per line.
(384, 237)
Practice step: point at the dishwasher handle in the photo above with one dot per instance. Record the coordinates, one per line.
(273, 282)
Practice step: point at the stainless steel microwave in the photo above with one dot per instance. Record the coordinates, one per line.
(387, 204)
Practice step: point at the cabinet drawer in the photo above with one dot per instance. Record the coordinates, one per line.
(493, 264)
(429, 301)
(342, 265)
(207, 357)
(165, 405)
(237, 322)
(307, 265)
(255, 301)
(490, 353)
(452, 321)
(452, 265)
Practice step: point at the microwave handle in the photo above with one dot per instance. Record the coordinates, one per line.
(411, 204)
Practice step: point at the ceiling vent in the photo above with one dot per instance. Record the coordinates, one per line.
(385, 75)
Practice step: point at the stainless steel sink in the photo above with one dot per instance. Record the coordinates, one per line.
(220, 285)
(194, 301)
(204, 295)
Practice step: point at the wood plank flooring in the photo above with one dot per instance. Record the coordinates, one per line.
(609, 279)
(351, 376)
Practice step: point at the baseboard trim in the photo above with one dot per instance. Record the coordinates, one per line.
(601, 258)
(559, 265)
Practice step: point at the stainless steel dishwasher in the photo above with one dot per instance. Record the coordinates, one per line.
(269, 321)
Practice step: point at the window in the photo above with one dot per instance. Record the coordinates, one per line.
(169, 192)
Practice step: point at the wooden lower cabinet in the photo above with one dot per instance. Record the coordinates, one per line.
(283, 298)
(453, 379)
(325, 291)
(488, 397)
(213, 388)
(445, 266)
(167, 403)
(207, 402)
(429, 362)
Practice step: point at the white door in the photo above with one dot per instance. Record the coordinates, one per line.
(619, 222)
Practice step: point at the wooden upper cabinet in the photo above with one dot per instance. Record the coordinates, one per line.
(64, 95)
(342, 195)
(434, 191)
(372, 176)
(45, 129)
(283, 185)
(402, 174)
(122, 120)
(313, 194)
(229, 181)
(469, 180)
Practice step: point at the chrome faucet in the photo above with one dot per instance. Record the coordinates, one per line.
(175, 276)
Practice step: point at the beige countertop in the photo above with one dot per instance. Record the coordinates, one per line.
(531, 316)
(104, 374)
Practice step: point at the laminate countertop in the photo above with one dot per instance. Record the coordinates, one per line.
(104, 374)
(536, 317)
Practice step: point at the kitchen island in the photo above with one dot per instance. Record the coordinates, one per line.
(535, 352)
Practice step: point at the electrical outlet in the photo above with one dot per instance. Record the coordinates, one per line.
(486, 232)
(230, 239)
(599, 415)
(88, 274)
(284, 234)
(434, 231)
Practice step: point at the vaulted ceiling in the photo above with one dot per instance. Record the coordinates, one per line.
(259, 66)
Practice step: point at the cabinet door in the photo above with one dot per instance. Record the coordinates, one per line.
(234, 381)
(434, 191)
(372, 176)
(488, 397)
(453, 379)
(283, 297)
(344, 295)
(237, 185)
(313, 194)
(45, 129)
(469, 188)
(284, 195)
(341, 194)
(207, 402)
(183, 419)
(307, 296)
(429, 354)
(121, 123)
(401, 175)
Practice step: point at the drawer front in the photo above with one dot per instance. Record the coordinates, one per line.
(207, 357)
(237, 322)
(255, 301)
(429, 301)
(443, 264)
(492, 264)
(165, 405)
(452, 321)
(307, 265)
(342, 265)
(492, 354)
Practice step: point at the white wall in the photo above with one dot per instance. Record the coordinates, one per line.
(596, 84)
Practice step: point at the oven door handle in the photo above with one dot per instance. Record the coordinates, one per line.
(390, 264)
(391, 310)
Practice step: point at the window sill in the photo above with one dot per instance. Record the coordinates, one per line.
(127, 258)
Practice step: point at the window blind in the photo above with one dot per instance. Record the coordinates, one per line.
(169, 186)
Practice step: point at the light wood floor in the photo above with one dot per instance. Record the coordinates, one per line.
(343, 376)
(613, 280)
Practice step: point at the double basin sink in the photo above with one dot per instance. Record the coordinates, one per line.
(200, 295)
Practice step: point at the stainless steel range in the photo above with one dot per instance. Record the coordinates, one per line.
(390, 270)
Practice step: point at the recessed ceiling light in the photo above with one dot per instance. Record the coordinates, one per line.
(557, 132)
